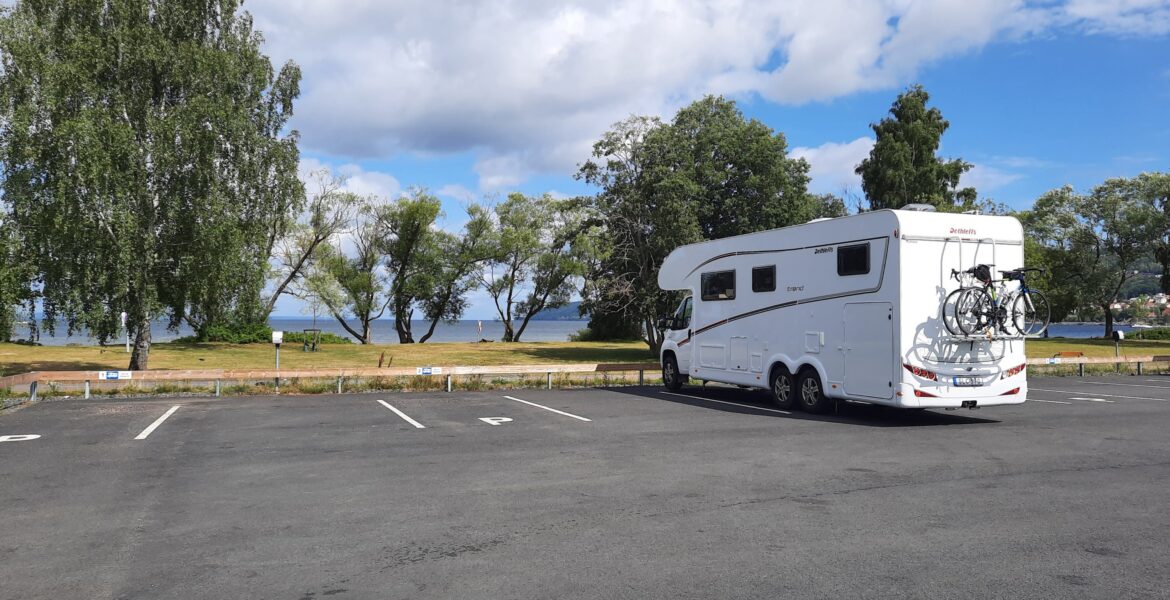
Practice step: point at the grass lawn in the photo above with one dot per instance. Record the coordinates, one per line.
(16, 358)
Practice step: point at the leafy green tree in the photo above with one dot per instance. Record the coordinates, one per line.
(145, 158)
(1095, 240)
(735, 172)
(708, 174)
(15, 277)
(1154, 188)
(903, 168)
(463, 256)
(410, 241)
(353, 285)
(330, 212)
(537, 258)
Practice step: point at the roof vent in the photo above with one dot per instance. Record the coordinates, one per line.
(919, 207)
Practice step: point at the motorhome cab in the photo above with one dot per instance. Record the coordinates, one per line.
(844, 309)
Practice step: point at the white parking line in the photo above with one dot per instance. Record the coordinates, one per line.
(1106, 395)
(559, 412)
(1094, 400)
(402, 414)
(783, 412)
(150, 429)
(1047, 401)
(1153, 387)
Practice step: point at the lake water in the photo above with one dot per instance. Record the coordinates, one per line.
(465, 331)
(383, 331)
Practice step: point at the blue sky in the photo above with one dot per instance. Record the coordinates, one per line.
(475, 102)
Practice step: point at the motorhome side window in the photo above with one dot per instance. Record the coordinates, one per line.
(764, 279)
(853, 260)
(719, 285)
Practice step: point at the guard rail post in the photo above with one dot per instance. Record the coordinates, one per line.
(549, 379)
(448, 382)
(217, 386)
(32, 391)
(1081, 369)
(87, 389)
(641, 376)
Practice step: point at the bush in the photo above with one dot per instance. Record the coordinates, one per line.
(1161, 333)
(298, 337)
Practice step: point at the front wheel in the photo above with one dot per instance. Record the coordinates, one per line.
(671, 378)
(783, 389)
(1030, 313)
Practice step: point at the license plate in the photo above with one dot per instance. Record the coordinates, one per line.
(967, 382)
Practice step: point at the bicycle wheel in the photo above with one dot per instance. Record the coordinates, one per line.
(973, 311)
(949, 317)
(1030, 312)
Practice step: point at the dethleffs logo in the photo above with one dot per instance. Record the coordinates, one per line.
(962, 230)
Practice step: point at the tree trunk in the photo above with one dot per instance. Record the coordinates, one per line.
(1164, 259)
(402, 325)
(140, 358)
(430, 331)
(1108, 320)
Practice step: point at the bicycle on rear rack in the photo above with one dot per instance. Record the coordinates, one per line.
(989, 308)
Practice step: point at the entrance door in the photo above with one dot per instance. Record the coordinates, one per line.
(869, 349)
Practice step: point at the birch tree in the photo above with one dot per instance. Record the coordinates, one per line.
(145, 157)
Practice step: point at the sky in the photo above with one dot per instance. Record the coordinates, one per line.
(473, 100)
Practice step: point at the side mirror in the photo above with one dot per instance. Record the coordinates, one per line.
(663, 323)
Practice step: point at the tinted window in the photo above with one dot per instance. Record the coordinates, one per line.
(764, 279)
(853, 260)
(719, 285)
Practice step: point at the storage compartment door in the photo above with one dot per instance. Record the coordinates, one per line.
(869, 349)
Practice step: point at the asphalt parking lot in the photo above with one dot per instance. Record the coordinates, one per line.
(607, 493)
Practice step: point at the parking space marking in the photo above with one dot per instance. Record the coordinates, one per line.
(495, 420)
(559, 412)
(19, 438)
(783, 412)
(1047, 401)
(150, 429)
(1094, 400)
(1106, 395)
(403, 415)
(1154, 387)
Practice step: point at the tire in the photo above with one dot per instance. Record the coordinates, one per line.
(948, 312)
(783, 388)
(974, 311)
(1030, 313)
(671, 378)
(811, 393)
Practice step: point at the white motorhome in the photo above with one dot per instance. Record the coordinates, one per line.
(844, 309)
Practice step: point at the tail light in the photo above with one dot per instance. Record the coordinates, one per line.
(1013, 371)
(920, 372)
(922, 394)
(1011, 392)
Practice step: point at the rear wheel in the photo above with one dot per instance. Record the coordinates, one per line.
(812, 393)
(783, 389)
(671, 378)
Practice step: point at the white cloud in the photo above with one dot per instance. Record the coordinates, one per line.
(831, 165)
(986, 178)
(527, 85)
(357, 180)
(456, 192)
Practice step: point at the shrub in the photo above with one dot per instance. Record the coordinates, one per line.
(1161, 333)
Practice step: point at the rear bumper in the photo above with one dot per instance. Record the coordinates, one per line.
(959, 397)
